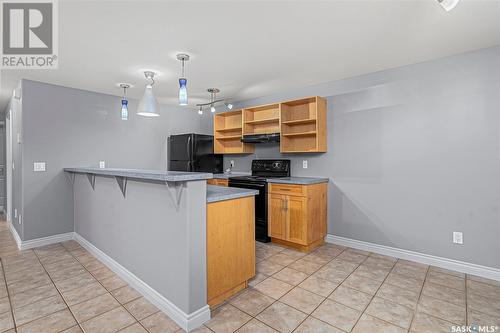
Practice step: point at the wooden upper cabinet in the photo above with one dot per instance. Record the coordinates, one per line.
(302, 125)
(261, 120)
(228, 130)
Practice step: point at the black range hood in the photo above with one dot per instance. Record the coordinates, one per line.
(261, 138)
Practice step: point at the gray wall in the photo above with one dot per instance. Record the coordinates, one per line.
(413, 155)
(69, 127)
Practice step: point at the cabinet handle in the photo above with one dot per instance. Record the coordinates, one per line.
(286, 204)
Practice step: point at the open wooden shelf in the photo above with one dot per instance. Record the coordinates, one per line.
(301, 124)
(228, 137)
(299, 121)
(228, 130)
(299, 134)
(263, 119)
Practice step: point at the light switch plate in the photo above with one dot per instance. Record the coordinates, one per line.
(39, 166)
(15, 213)
(458, 237)
(304, 164)
(102, 164)
(18, 137)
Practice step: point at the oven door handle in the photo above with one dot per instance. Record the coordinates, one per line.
(247, 184)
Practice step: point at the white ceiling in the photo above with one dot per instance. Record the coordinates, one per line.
(252, 48)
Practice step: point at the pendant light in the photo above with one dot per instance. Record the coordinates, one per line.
(148, 106)
(200, 110)
(229, 106)
(124, 110)
(448, 4)
(183, 94)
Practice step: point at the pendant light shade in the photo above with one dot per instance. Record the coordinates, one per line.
(124, 113)
(183, 94)
(448, 4)
(124, 109)
(148, 106)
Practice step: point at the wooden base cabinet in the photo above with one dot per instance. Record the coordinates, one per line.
(230, 247)
(218, 182)
(298, 215)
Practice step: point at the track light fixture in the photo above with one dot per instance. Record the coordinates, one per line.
(213, 101)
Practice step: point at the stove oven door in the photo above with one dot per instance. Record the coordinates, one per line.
(260, 207)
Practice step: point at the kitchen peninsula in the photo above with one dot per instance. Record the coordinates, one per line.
(167, 234)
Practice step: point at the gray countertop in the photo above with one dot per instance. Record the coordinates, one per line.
(232, 174)
(161, 175)
(298, 180)
(221, 193)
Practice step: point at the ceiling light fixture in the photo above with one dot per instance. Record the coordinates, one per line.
(124, 110)
(213, 101)
(148, 106)
(183, 94)
(448, 4)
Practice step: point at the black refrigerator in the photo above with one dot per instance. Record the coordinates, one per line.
(193, 153)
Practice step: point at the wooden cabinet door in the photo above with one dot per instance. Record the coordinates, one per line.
(277, 216)
(296, 226)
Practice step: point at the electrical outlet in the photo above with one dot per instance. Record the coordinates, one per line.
(39, 166)
(102, 164)
(232, 163)
(304, 164)
(458, 237)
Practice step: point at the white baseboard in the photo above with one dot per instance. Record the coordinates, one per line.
(188, 322)
(456, 265)
(14, 234)
(37, 242)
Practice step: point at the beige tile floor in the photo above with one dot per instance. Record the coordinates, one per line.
(62, 288)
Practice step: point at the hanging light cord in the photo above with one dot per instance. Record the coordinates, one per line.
(182, 69)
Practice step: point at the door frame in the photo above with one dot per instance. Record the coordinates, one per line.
(8, 162)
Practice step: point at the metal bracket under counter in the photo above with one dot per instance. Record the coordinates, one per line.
(175, 188)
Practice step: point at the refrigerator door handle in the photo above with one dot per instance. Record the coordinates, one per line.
(189, 147)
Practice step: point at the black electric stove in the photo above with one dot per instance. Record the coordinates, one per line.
(261, 171)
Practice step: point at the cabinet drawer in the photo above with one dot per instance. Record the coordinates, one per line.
(288, 189)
